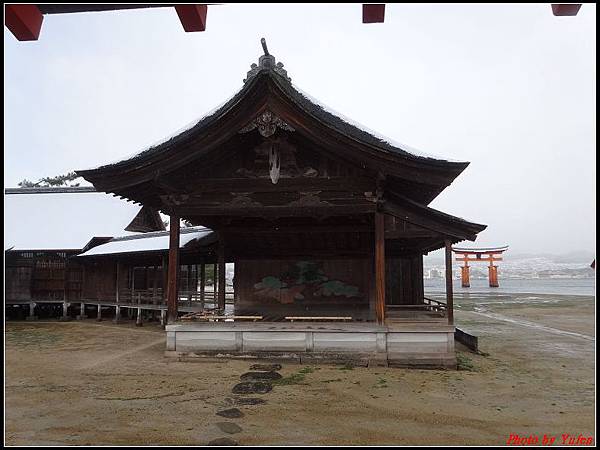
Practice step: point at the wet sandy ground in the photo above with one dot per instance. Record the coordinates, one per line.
(98, 383)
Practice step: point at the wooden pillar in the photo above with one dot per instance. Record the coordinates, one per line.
(132, 285)
(154, 284)
(117, 282)
(188, 283)
(380, 267)
(146, 285)
(99, 314)
(215, 290)
(165, 279)
(465, 275)
(221, 261)
(449, 292)
(202, 283)
(173, 288)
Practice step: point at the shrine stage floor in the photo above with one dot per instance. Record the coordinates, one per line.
(411, 343)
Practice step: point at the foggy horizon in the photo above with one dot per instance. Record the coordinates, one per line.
(509, 88)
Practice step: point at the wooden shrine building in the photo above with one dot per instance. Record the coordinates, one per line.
(325, 221)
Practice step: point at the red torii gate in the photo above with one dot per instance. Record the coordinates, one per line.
(481, 254)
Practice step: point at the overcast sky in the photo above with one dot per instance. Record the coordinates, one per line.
(510, 88)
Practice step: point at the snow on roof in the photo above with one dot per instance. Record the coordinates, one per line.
(156, 241)
(63, 221)
(393, 143)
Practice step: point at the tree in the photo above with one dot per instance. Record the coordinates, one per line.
(58, 180)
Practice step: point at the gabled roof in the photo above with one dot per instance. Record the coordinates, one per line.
(151, 242)
(146, 220)
(62, 221)
(268, 86)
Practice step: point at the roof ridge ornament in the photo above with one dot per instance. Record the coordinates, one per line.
(267, 123)
(266, 62)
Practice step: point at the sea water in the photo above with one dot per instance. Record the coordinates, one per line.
(557, 286)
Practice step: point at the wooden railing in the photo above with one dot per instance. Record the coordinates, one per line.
(429, 305)
(155, 297)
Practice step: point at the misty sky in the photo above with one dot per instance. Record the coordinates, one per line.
(510, 88)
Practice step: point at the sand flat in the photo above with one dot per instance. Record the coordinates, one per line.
(88, 383)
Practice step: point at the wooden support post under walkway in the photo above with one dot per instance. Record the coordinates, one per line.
(65, 315)
(99, 314)
(31, 315)
(81, 315)
(138, 320)
(221, 262)
(173, 288)
(449, 289)
(380, 267)
(117, 318)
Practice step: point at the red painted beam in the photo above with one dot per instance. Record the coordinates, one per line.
(23, 21)
(559, 9)
(373, 13)
(193, 17)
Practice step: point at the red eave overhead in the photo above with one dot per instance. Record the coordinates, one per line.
(562, 9)
(193, 17)
(373, 13)
(24, 21)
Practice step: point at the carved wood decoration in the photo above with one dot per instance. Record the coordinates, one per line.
(274, 163)
(267, 123)
(276, 158)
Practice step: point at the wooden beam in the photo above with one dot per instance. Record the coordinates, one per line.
(357, 184)
(23, 21)
(283, 229)
(420, 219)
(559, 9)
(173, 288)
(373, 13)
(410, 234)
(275, 211)
(193, 17)
(449, 288)
(221, 261)
(380, 267)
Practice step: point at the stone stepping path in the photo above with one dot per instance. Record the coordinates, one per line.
(266, 367)
(260, 376)
(231, 413)
(258, 381)
(229, 427)
(252, 387)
